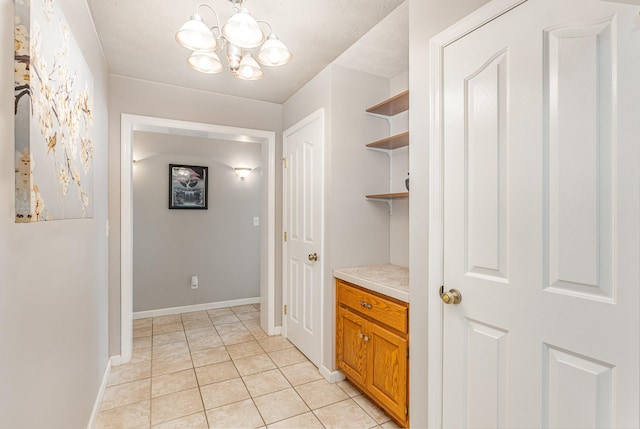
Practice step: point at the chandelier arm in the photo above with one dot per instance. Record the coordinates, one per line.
(265, 22)
(212, 10)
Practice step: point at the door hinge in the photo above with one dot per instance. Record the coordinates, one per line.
(406, 410)
(285, 163)
(285, 236)
(285, 309)
(407, 352)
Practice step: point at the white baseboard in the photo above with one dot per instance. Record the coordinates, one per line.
(277, 330)
(331, 376)
(196, 307)
(100, 395)
(116, 360)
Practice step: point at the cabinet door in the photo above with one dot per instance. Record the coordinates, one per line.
(387, 369)
(351, 347)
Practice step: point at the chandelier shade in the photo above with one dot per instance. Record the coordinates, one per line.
(205, 62)
(196, 36)
(249, 69)
(274, 53)
(238, 37)
(243, 31)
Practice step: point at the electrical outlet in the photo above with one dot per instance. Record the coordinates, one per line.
(194, 282)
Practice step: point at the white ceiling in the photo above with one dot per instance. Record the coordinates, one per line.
(137, 37)
(384, 50)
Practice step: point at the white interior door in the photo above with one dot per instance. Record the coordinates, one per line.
(303, 225)
(541, 218)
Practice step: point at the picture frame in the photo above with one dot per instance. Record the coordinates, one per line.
(188, 187)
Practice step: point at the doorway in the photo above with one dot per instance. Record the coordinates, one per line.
(131, 123)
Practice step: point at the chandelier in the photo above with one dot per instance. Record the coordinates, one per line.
(238, 38)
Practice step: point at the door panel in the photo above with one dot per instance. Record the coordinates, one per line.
(302, 214)
(351, 348)
(387, 368)
(580, 61)
(486, 231)
(579, 391)
(486, 375)
(309, 288)
(541, 209)
(295, 268)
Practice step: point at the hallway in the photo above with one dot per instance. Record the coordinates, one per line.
(218, 369)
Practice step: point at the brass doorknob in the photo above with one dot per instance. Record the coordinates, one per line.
(313, 257)
(452, 297)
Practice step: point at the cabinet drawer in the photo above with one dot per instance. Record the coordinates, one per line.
(375, 306)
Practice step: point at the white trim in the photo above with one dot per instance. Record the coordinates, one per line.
(331, 376)
(195, 307)
(99, 396)
(317, 115)
(116, 360)
(436, 194)
(131, 123)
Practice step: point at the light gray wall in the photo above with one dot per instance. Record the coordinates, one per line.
(399, 219)
(360, 228)
(426, 19)
(53, 275)
(165, 101)
(219, 245)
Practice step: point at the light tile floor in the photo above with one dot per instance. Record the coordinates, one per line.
(218, 369)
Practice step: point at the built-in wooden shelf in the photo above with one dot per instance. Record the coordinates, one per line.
(393, 142)
(394, 105)
(391, 196)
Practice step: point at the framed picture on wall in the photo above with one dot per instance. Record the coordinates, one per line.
(188, 187)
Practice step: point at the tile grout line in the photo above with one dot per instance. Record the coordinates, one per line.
(151, 374)
(264, 422)
(204, 408)
(257, 338)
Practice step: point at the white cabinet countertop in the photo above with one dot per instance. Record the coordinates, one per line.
(387, 279)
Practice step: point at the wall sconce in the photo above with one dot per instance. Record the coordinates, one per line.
(242, 172)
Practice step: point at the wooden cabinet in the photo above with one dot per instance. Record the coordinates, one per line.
(372, 345)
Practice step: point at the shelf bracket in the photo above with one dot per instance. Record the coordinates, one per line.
(385, 117)
(389, 202)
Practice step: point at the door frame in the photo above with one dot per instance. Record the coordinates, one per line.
(437, 45)
(317, 115)
(267, 140)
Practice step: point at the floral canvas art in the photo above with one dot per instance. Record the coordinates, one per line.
(53, 117)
